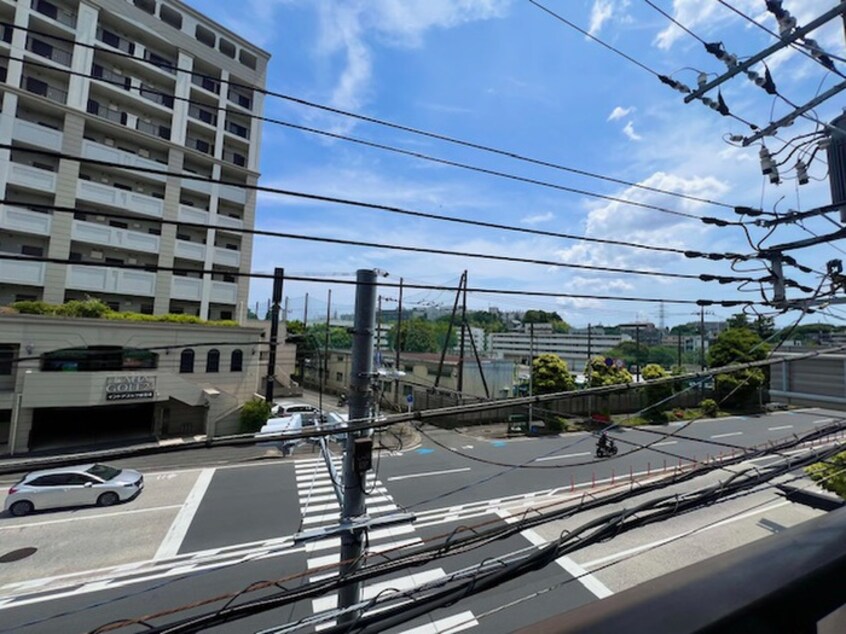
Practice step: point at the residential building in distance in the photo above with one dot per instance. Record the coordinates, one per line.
(128, 105)
(574, 348)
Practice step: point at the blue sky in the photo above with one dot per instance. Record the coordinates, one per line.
(504, 73)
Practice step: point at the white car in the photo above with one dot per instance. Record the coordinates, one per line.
(305, 421)
(284, 409)
(73, 486)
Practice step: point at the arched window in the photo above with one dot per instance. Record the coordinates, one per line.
(186, 361)
(213, 360)
(236, 362)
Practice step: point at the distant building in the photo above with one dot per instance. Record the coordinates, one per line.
(645, 332)
(574, 348)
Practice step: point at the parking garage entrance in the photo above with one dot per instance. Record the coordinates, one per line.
(101, 426)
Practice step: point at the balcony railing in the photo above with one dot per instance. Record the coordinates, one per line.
(59, 14)
(238, 130)
(201, 145)
(25, 220)
(41, 87)
(44, 49)
(201, 114)
(110, 76)
(245, 101)
(115, 41)
(162, 62)
(207, 83)
(102, 111)
(156, 95)
(785, 583)
(235, 158)
(156, 129)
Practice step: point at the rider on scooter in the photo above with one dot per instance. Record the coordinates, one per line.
(602, 443)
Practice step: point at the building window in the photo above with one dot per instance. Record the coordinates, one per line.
(227, 48)
(98, 359)
(213, 360)
(170, 16)
(339, 377)
(186, 361)
(247, 59)
(205, 36)
(226, 315)
(31, 250)
(7, 354)
(148, 6)
(236, 362)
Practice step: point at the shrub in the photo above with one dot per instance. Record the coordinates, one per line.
(34, 308)
(253, 415)
(709, 407)
(830, 474)
(83, 308)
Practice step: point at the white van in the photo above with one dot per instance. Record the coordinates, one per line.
(283, 409)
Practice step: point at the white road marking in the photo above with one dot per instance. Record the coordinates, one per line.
(823, 421)
(427, 474)
(403, 583)
(729, 435)
(77, 518)
(591, 583)
(666, 443)
(780, 427)
(642, 547)
(179, 528)
(563, 456)
(456, 623)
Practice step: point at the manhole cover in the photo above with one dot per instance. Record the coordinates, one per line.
(17, 555)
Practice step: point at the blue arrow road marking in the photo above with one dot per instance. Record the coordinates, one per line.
(423, 451)
(499, 443)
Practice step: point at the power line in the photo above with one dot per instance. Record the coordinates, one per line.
(429, 250)
(377, 121)
(674, 21)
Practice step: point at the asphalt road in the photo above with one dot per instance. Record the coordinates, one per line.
(235, 525)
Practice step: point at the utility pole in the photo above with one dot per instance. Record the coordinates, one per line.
(680, 350)
(324, 367)
(589, 369)
(305, 312)
(357, 455)
(701, 337)
(531, 368)
(461, 344)
(398, 348)
(637, 353)
(278, 279)
(285, 313)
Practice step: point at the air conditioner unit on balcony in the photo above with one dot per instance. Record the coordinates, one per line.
(96, 255)
(136, 225)
(109, 141)
(100, 218)
(144, 153)
(104, 179)
(131, 261)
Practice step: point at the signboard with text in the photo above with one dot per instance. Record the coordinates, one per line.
(130, 387)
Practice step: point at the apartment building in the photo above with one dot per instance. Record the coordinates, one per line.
(537, 339)
(156, 85)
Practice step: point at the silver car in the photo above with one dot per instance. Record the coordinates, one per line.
(73, 486)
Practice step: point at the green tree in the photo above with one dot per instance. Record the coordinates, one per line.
(656, 394)
(830, 475)
(764, 326)
(295, 327)
(665, 356)
(738, 320)
(416, 335)
(738, 345)
(253, 415)
(339, 338)
(551, 374)
(598, 373)
(685, 330)
(251, 314)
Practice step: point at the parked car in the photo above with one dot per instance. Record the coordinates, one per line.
(303, 421)
(283, 409)
(88, 484)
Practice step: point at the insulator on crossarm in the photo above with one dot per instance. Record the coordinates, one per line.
(802, 172)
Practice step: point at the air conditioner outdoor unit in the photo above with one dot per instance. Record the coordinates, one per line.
(131, 261)
(96, 255)
(100, 218)
(110, 142)
(144, 152)
(104, 179)
(136, 225)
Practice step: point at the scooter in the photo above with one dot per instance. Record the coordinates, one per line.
(342, 400)
(607, 451)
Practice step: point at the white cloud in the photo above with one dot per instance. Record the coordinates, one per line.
(629, 131)
(538, 218)
(601, 12)
(619, 113)
(346, 30)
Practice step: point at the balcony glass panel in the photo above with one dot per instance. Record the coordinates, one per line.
(25, 221)
(32, 177)
(36, 134)
(93, 233)
(187, 288)
(122, 199)
(111, 280)
(22, 272)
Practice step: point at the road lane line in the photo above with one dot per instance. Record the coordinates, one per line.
(176, 533)
(591, 583)
(665, 443)
(780, 427)
(729, 435)
(426, 474)
(563, 456)
(77, 518)
(456, 623)
(823, 421)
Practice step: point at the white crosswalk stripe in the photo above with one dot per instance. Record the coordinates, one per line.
(319, 507)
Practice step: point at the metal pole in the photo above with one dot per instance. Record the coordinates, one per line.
(359, 402)
(461, 343)
(637, 353)
(531, 368)
(398, 348)
(324, 370)
(702, 338)
(305, 312)
(278, 279)
(680, 350)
